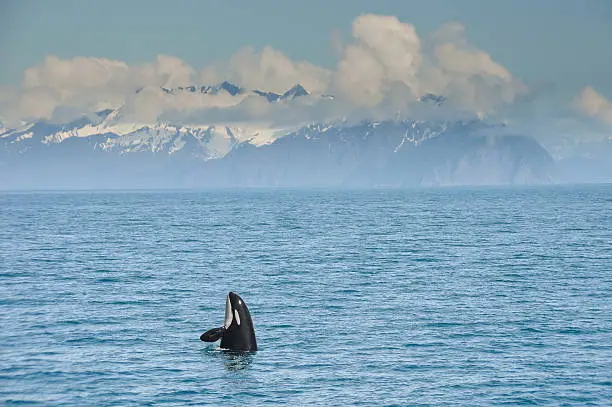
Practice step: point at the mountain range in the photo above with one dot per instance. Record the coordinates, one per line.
(106, 151)
(234, 90)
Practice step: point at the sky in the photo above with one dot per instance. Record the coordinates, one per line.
(563, 45)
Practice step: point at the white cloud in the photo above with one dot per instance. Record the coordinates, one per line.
(455, 55)
(64, 75)
(9, 115)
(167, 71)
(273, 71)
(210, 75)
(467, 76)
(151, 102)
(381, 71)
(592, 104)
(89, 84)
(387, 56)
(385, 51)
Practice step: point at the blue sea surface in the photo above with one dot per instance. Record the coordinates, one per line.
(455, 296)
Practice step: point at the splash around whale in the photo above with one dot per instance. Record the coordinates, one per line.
(237, 333)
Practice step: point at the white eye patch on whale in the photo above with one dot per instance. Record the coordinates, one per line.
(237, 332)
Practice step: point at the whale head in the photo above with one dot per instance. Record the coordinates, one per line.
(237, 332)
(236, 311)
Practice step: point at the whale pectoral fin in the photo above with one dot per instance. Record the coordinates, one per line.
(213, 335)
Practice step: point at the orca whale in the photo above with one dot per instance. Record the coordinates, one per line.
(237, 332)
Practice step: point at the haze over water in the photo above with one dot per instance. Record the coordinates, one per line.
(458, 296)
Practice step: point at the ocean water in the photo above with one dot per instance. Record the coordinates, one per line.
(467, 296)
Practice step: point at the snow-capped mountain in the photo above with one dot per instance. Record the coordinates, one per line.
(206, 141)
(105, 150)
(392, 153)
(114, 135)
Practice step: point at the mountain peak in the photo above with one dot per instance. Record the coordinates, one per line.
(234, 90)
(431, 98)
(270, 96)
(230, 88)
(294, 92)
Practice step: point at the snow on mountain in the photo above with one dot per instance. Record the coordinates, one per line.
(214, 141)
(100, 149)
(397, 153)
(112, 133)
(206, 141)
(107, 130)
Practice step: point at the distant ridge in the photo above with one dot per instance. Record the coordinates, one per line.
(296, 91)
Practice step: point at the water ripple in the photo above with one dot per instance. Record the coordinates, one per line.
(417, 297)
